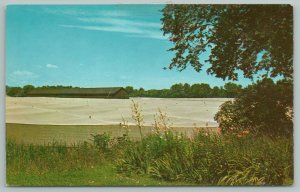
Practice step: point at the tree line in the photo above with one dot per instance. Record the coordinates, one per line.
(179, 90)
(22, 91)
(186, 90)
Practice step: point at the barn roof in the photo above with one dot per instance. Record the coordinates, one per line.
(77, 91)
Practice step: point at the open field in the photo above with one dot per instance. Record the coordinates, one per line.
(40, 120)
(183, 112)
(72, 134)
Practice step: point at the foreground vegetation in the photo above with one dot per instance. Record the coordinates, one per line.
(158, 159)
(59, 165)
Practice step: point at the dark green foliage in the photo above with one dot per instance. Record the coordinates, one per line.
(14, 91)
(235, 35)
(178, 90)
(240, 38)
(101, 141)
(210, 159)
(262, 108)
(186, 90)
(232, 90)
(200, 90)
(27, 88)
(129, 89)
(22, 91)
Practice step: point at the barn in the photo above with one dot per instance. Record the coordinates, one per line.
(106, 92)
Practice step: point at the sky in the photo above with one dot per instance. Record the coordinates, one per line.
(93, 46)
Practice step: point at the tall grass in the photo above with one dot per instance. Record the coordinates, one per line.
(207, 158)
(137, 116)
(50, 157)
(212, 160)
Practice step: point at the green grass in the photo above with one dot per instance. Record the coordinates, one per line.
(79, 165)
(105, 175)
(158, 159)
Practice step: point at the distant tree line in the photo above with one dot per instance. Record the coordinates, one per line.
(22, 91)
(178, 90)
(186, 90)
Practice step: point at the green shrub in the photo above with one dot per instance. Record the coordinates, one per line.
(262, 108)
(101, 141)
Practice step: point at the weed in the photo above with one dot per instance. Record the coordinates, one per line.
(101, 141)
(137, 116)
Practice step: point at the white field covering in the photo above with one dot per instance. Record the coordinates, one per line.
(182, 112)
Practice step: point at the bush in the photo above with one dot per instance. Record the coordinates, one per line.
(101, 141)
(262, 108)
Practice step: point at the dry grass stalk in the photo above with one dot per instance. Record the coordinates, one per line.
(161, 122)
(125, 126)
(137, 116)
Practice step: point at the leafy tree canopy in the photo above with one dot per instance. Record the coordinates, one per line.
(235, 35)
(262, 108)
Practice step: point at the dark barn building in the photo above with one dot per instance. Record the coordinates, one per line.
(107, 92)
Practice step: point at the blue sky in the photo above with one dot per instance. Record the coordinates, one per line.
(92, 46)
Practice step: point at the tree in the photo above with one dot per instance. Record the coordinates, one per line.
(256, 39)
(27, 88)
(217, 92)
(262, 108)
(177, 90)
(13, 91)
(129, 90)
(202, 90)
(141, 92)
(232, 90)
(187, 90)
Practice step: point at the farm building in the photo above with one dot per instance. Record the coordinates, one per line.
(107, 92)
